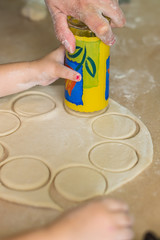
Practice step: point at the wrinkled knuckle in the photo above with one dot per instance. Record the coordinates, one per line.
(121, 23)
(120, 19)
(59, 34)
(102, 30)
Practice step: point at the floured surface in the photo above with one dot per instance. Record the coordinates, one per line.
(54, 151)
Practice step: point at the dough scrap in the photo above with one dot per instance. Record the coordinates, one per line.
(115, 126)
(80, 183)
(9, 123)
(35, 11)
(33, 105)
(24, 174)
(113, 157)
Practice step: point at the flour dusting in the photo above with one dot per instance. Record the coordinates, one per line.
(132, 84)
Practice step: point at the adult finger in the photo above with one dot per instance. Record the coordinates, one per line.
(115, 13)
(100, 26)
(124, 234)
(63, 32)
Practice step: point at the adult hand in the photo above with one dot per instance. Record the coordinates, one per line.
(91, 12)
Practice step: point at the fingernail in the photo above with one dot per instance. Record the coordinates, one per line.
(78, 77)
(109, 39)
(112, 41)
(67, 46)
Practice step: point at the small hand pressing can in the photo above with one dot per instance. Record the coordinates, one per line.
(92, 60)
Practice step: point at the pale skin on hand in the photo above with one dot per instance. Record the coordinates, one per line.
(91, 12)
(17, 77)
(97, 220)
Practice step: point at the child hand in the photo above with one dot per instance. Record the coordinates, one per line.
(104, 219)
(51, 68)
(17, 77)
(98, 220)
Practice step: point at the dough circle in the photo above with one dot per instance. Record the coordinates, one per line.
(113, 157)
(24, 174)
(33, 105)
(84, 114)
(2, 152)
(80, 183)
(9, 123)
(115, 126)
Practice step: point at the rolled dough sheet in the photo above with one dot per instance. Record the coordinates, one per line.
(56, 159)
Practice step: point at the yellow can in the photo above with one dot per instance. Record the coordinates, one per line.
(91, 59)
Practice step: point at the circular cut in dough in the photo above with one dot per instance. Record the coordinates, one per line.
(84, 114)
(113, 157)
(24, 174)
(9, 123)
(80, 183)
(115, 126)
(2, 152)
(33, 105)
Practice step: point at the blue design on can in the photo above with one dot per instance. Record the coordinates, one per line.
(76, 92)
(107, 78)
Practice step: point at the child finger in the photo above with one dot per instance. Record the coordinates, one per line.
(122, 219)
(115, 205)
(124, 234)
(67, 73)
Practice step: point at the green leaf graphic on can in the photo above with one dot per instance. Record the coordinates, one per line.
(83, 59)
(89, 63)
(91, 71)
(87, 57)
(77, 53)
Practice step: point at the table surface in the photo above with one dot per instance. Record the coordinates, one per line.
(134, 83)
